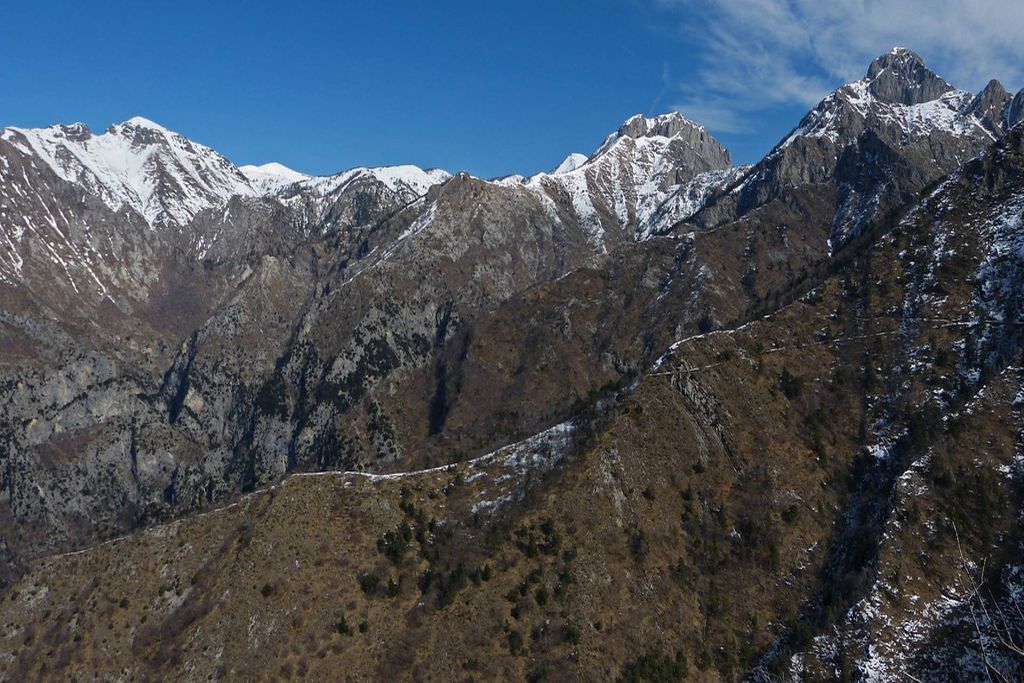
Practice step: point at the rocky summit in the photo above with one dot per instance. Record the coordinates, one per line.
(648, 416)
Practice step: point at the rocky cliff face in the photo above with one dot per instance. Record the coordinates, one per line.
(900, 77)
(788, 393)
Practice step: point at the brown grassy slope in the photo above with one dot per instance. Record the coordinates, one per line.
(698, 519)
(659, 535)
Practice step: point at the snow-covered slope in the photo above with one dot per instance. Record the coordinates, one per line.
(271, 178)
(950, 112)
(358, 196)
(664, 209)
(139, 164)
(168, 179)
(627, 180)
(407, 180)
(900, 94)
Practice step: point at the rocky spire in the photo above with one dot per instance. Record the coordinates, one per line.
(901, 77)
(989, 106)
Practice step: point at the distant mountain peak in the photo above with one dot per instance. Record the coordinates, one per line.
(571, 163)
(669, 126)
(142, 122)
(900, 59)
(625, 184)
(142, 131)
(162, 175)
(273, 167)
(993, 89)
(666, 125)
(901, 77)
(270, 177)
(990, 107)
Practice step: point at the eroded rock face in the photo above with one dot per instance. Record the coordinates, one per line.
(698, 150)
(1015, 110)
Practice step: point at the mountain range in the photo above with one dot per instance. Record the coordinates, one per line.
(647, 416)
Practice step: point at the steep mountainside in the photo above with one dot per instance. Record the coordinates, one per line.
(624, 186)
(647, 414)
(706, 275)
(868, 148)
(178, 361)
(163, 176)
(799, 492)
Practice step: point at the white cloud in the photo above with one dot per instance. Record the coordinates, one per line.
(762, 53)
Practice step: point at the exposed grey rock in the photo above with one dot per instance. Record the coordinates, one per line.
(702, 151)
(1015, 110)
(990, 107)
(901, 77)
(211, 351)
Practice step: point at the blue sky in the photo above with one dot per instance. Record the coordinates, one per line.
(487, 87)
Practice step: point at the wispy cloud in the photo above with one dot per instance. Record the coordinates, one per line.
(757, 54)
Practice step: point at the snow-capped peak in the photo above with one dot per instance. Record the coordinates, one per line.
(668, 125)
(406, 179)
(394, 186)
(141, 122)
(901, 92)
(571, 163)
(162, 175)
(270, 177)
(624, 185)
